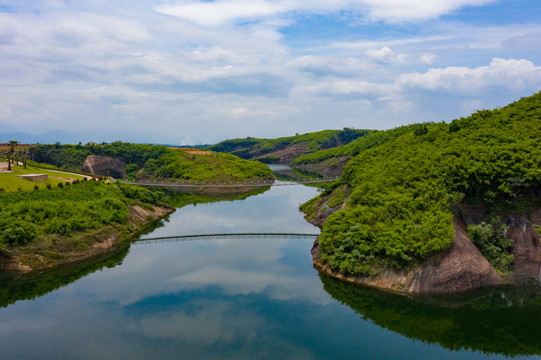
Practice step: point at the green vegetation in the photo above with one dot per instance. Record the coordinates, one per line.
(370, 140)
(10, 181)
(491, 241)
(249, 147)
(72, 156)
(37, 224)
(180, 165)
(406, 185)
(156, 162)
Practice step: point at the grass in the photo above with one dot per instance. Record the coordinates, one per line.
(10, 181)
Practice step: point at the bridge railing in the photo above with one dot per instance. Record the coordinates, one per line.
(224, 183)
(179, 238)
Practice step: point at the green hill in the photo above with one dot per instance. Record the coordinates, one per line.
(404, 187)
(285, 149)
(155, 162)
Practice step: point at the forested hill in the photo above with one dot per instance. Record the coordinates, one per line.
(286, 149)
(404, 191)
(154, 162)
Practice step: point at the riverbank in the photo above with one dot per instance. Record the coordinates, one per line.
(49, 252)
(74, 221)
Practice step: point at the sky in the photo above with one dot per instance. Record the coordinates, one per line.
(198, 72)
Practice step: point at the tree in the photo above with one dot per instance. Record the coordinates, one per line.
(12, 145)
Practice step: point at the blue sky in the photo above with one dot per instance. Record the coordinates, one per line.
(188, 72)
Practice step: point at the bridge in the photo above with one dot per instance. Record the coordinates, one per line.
(223, 184)
(235, 236)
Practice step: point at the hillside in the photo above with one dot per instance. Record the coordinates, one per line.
(331, 162)
(285, 149)
(405, 202)
(72, 221)
(125, 160)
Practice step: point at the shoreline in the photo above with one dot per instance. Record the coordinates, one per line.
(108, 240)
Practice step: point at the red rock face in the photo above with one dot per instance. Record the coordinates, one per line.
(526, 249)
(459, 269)
(462, 268)
(105, 166)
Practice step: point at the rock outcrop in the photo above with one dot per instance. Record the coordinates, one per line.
(105, 166)
(526, 247)
(461, 268)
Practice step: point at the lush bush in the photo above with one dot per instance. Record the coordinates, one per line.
(493, 244)
(369, 140)
(179, 165)
(403, 187)
(27, 215)
(73, 156)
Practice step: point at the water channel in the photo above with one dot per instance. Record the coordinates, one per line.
(247, 298)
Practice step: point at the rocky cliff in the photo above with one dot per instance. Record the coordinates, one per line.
(105, 166)
(461, 268)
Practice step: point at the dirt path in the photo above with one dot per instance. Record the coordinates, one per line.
(67, 172)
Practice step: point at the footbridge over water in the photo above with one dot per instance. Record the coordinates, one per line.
(188, 184)
(236, 236)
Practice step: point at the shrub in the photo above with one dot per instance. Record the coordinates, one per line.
(490, 239)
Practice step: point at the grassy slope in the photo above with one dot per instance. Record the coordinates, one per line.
(181, 165)
(403, 189)
(10, 181)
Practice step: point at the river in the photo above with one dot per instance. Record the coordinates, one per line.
(247, 298)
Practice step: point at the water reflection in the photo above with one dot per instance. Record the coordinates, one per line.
(15, 287)
(245, 299)
(503, 321)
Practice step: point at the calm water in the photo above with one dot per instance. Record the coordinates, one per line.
(246, 298)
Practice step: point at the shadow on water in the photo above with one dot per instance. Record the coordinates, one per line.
(291, 174)
(179, 198)
(35, 284)
(30, 286)
(503, 321)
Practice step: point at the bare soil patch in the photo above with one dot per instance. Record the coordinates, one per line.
(195, 151)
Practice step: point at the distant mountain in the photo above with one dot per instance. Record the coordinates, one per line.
(50, 137)
(285, 149)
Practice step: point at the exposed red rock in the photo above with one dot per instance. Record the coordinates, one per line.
(526, 248)
(105, 166)
(459, 269)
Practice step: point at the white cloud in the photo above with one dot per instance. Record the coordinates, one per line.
(428, 58)
(240, 68)
(512, 74)
(382, 55)
(220, 12)
(414, 10)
